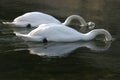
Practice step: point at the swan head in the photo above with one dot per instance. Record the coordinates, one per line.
(91, 25)
(93, 33)
(87, 26)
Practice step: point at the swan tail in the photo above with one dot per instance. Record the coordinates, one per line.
(23, 36)
(27, 37)
(20, 35)
(8, 23)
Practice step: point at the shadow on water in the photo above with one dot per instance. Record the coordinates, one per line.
(94, 60)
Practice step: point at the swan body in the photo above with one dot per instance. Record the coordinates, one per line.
(61, 33)
(34, 19)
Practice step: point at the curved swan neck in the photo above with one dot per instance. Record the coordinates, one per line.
(77, 17)
(92, 34)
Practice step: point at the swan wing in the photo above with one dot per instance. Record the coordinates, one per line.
(36, 18)
(56, 32)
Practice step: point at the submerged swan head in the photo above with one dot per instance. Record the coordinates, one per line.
(57, 33)
(84, 25)
(91, 25)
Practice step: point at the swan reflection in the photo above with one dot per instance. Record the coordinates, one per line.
(63, 49)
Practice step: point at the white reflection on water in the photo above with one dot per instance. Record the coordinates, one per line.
(63, 49)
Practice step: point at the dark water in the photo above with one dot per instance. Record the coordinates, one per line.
(93, 60)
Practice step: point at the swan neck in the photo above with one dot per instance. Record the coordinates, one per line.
(77, 17)
(92, 34)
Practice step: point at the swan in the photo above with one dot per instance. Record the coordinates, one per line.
(34, 19)
(61, 33)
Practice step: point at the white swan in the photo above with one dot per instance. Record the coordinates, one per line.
(34, 19)
(61, 33)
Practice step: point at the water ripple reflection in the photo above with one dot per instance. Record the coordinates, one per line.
(63, 49)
